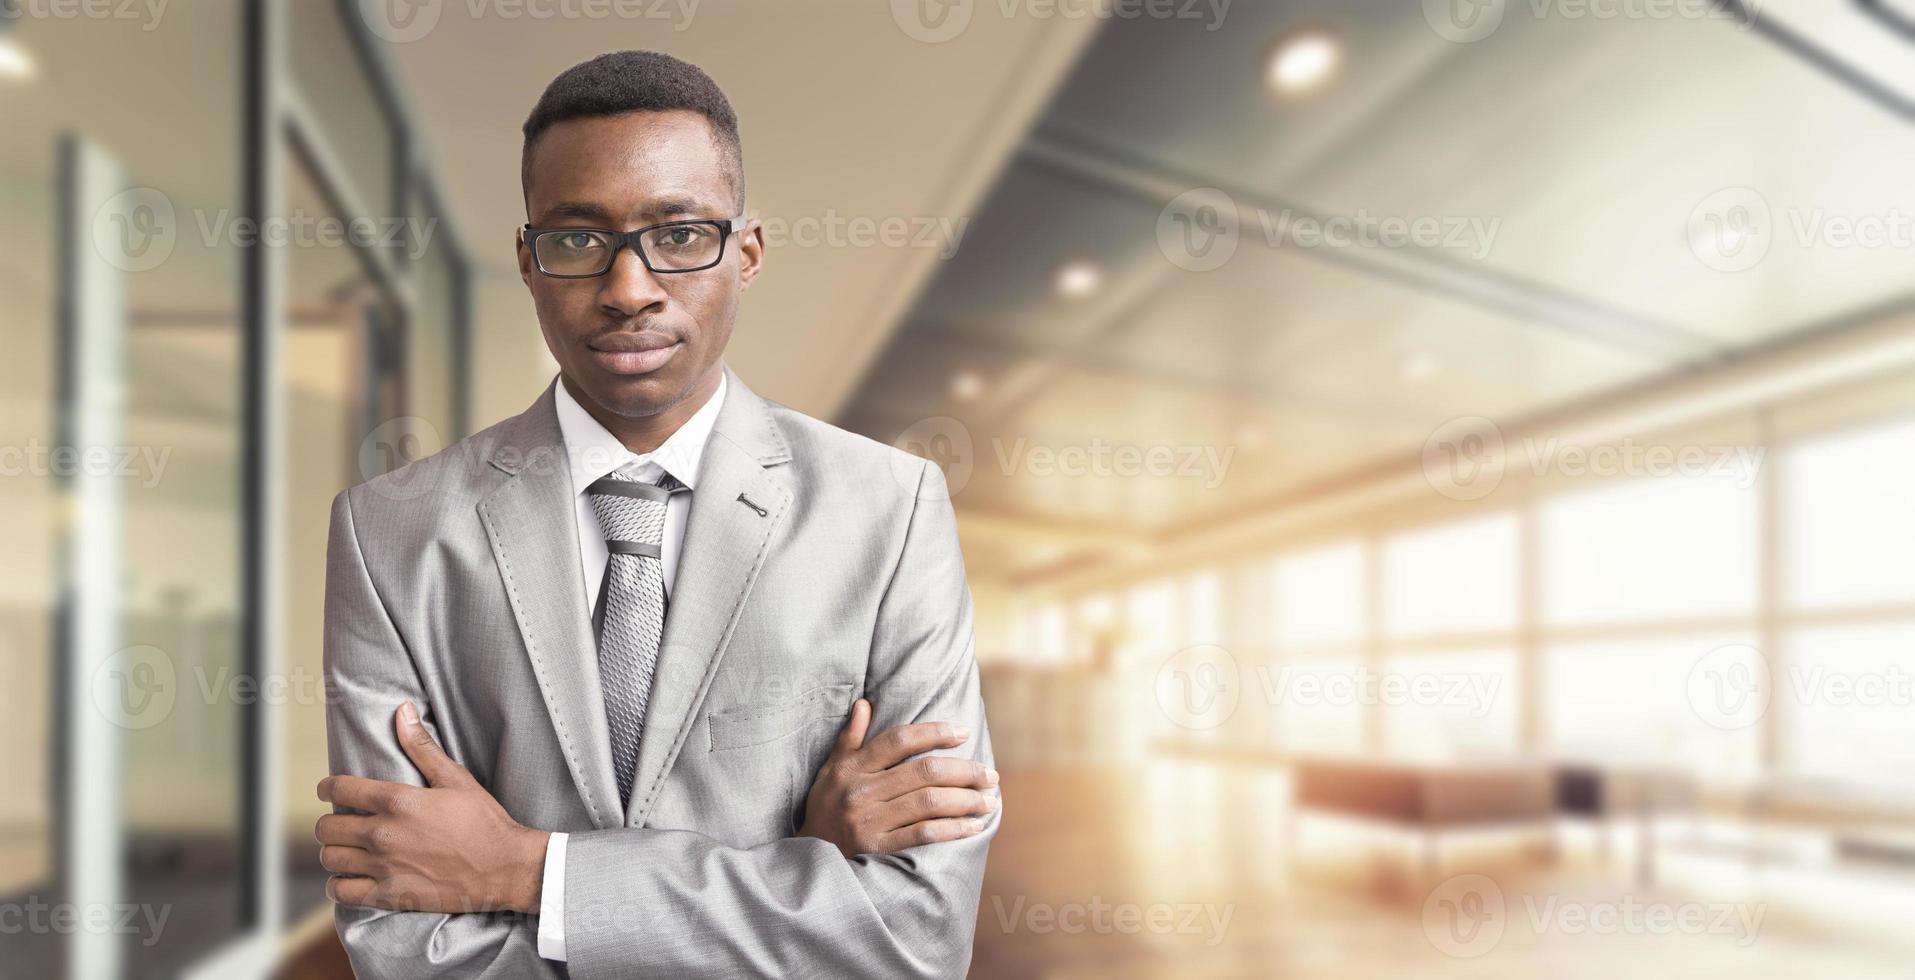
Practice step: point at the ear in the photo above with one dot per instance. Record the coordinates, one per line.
(751, 251)
(524, 253)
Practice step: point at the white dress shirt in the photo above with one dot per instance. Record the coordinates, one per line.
(595, 453)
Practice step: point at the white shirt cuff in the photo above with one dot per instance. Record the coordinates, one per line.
(552, 901)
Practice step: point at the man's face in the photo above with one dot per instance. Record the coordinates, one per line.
(633, 341)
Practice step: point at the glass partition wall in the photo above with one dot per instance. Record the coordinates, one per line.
(293, 320)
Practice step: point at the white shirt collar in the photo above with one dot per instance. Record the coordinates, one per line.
(595, 452)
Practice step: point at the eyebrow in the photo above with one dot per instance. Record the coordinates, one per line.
(666, 208)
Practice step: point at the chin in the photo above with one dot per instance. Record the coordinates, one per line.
(638, 395)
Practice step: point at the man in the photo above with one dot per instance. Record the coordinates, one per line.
(601, 675)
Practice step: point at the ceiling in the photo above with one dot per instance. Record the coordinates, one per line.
(1576, 167)
(844, 116)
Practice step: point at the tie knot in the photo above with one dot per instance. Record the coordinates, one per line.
(631, 511)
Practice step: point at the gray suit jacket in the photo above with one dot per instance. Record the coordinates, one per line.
(817, 566)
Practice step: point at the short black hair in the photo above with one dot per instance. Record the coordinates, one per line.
(635, 81)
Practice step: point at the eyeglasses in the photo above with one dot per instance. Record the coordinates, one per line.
(675, 246)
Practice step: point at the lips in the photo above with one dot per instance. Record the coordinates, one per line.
(634, 353)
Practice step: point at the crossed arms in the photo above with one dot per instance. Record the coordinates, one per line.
(436, 879)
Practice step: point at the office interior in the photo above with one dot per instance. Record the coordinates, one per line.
(1432, 477)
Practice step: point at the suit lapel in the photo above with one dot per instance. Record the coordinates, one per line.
(530, 522)
(737, 504)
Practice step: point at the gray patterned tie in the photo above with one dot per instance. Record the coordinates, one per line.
(630, 618)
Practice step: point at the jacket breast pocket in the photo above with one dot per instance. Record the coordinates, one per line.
(762, 759)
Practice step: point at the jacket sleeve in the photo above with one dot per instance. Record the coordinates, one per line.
(670, 903)
(368, 672)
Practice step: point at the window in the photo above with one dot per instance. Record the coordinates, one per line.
(1459, 577)
(1849, 518)
(1662, 547)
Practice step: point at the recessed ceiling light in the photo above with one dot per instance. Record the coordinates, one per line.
(1303, 62)
(1078, 278)
(967, 386)
(1419, 366)
(15, 63)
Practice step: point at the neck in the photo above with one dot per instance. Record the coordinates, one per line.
(643, 433)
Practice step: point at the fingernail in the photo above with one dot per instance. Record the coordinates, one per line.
(407, 714)
(960, 731)
(990, 777)
(990, 803)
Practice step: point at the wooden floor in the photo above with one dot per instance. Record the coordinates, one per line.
(1175, 837)
(1178, 871)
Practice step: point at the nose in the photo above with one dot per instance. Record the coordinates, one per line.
(628, 288)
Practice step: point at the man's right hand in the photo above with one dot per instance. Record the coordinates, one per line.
(867, 799)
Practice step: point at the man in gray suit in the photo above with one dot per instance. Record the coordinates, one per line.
(600, 676)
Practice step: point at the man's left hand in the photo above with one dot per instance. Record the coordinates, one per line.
(445, 847)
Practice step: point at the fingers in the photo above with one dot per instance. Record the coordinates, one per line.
(932, 770)
(350, 891)
(424, 751)
(348, 861)
(894, 745)
(851, 737)
(344, 830)
(360, 793)
(937, 802)
(930, 832)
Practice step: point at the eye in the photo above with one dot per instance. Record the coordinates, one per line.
(683, 236)
(575, 241)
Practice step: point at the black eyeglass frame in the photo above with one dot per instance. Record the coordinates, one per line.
(623, 239)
